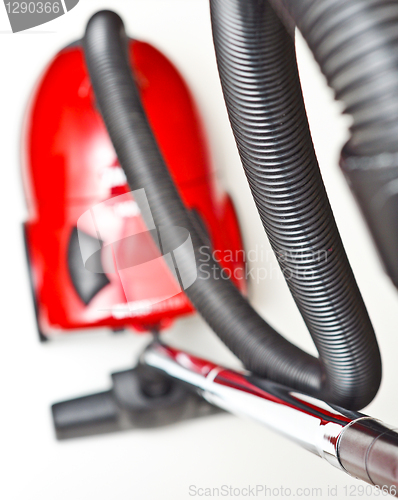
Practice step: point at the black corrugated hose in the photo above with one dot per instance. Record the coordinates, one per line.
(260, 81)
(258, 70)
(356, 45)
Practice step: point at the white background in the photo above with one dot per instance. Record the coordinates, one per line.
(220, 450)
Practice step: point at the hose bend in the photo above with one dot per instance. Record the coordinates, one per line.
(258, 71)
(349, 369)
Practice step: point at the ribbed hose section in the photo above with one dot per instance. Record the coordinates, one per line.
(256, 343)
(356, 45)
(261, 349)
(257, 65)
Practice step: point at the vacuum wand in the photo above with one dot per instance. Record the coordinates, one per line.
(351, 441)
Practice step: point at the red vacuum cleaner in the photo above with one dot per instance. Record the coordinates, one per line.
(70, 166)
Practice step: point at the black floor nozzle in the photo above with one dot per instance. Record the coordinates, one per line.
(139, 398)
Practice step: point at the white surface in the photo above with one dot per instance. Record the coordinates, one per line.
(221, 450)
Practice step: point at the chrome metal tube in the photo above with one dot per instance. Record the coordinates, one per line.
(355, 443)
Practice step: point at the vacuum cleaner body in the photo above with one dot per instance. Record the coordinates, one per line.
(70, 171)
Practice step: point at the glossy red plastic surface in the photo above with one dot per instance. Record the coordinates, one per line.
(69, 166)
